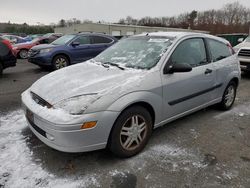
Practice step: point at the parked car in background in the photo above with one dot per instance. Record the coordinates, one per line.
(140, 83)
(243, 51)
(34, 36)
(57, 35)
(7, 58)
(234, 38)
(15, 39)
(70, 49)
(21, 50)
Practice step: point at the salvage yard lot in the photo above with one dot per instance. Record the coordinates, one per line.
(209, 148)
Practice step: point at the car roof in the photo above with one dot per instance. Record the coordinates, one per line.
(95, 34)
(179, 35)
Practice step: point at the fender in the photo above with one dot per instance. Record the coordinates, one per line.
(61, 52)
(153, 99)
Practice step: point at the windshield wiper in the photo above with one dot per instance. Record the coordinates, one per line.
(113, 64)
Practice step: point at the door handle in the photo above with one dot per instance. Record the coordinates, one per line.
(208, 71)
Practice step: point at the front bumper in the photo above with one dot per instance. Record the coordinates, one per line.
(68, 137)
(10, 61)
(41, 60)
(244, 63)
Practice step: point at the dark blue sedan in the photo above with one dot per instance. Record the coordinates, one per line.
(70, 49)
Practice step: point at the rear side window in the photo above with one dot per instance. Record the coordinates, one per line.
(83, 40)
(190, 51)
(100, 40)
(219, 50)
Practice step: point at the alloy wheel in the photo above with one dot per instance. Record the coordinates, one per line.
(133, 132)
(230, 95)
(61, 63)
(23, 54)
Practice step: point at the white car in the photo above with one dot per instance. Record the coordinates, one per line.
(243, 50)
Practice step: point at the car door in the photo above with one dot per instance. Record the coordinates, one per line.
(99, 43)
(185, 91)
(82, 50)
(221, 55)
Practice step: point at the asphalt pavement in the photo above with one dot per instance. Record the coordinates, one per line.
(209, 148)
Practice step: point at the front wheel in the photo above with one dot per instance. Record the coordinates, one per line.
(228, 96)
(131, 132)
(60, 61)
(23, 54)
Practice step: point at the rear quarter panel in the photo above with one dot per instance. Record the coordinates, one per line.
(226, 70)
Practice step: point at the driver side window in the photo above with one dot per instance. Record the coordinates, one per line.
(190, 51)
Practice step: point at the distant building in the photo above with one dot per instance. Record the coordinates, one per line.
(116, 30)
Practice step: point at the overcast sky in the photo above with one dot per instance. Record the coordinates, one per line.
(51, 11)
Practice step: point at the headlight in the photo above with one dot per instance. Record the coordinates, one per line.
(15, 48)
(46, 50)
(77, 105)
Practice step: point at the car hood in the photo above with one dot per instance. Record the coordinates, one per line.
(83, 79)
(25, 45)
(243, 44)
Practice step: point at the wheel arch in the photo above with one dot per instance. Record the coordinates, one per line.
(143, 104)
(236, 80)
(63, 54)
(18, 54)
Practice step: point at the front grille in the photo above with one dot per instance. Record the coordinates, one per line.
(32, 53)
(244, 52)
(40, 100)
(38, 129)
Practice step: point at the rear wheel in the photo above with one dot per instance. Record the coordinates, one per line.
(23, 54)
(228, 96)
(131, 132)
(60, 61)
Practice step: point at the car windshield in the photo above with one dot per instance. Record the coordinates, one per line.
(136, 52)
(63, 40)
(7, 37)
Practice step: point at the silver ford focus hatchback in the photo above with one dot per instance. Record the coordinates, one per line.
(116, 99)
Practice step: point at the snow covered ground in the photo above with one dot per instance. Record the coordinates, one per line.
(21, 167)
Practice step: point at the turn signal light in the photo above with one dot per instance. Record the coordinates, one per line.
(88, 125)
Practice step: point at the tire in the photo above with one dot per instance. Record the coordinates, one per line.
(127, 138)
(228, 96)
(60, 61)
(23, 54)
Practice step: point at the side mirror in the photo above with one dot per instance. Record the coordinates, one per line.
(178, 67)
(240, 40)
(75, 43)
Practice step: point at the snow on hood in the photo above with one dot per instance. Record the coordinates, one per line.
(243, 44)
(84, 78)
